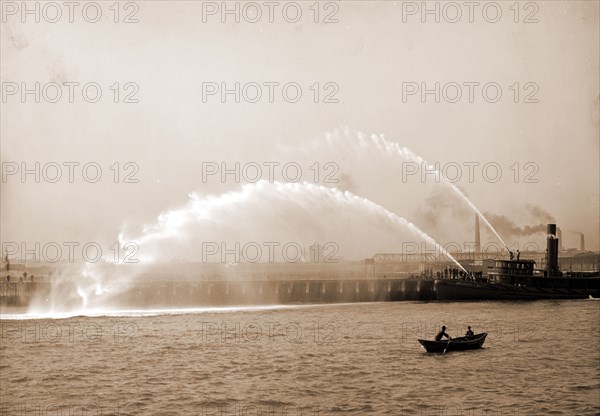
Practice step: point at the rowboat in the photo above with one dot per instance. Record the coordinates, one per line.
(455, 344)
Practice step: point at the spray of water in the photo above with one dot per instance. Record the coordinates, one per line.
(277, 210)
(268, 205)
(394, 148)
(83, 288)
(407, 153)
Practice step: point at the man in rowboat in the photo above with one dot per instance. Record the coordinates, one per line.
(470, 333)
(441, 334)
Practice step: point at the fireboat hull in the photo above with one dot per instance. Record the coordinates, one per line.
(447, 289)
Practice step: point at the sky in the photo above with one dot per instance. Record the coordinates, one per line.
(533, 150)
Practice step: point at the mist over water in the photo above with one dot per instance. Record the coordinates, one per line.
(268, 212)
(84, 289)
(273, 212)
(258, 213)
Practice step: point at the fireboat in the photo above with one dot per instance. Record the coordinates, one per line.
(516, 279)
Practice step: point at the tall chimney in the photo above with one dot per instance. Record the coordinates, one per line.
(477, 236)
(582, 242)
(552, 252)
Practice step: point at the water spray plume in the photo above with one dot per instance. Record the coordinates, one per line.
(264, 207)
(394, 148)
(208, 210)
(418, 159)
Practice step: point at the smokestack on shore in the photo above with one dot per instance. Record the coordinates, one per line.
(477, 236)
(552, 251)
(582, 242)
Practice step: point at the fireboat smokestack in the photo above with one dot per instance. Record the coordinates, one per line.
(477, 236)
(552, 251)
(582, 242)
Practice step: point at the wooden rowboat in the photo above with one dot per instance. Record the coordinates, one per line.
(455, 344)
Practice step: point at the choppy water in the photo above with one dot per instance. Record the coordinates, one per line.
(357, 359)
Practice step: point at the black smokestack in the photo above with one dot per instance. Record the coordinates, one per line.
(552, 251)
(582, 242)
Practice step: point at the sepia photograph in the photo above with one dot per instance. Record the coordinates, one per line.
(300, 208)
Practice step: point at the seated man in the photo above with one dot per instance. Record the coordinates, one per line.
(470, 333)
(441, 334)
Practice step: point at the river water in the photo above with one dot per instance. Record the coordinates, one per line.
(540, 357)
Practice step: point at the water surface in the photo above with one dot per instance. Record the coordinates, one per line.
(540, 357)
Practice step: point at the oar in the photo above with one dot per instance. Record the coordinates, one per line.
(449, 339)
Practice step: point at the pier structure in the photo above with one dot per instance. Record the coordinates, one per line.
(153, 294)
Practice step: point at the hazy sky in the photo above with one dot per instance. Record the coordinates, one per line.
(375, 52)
